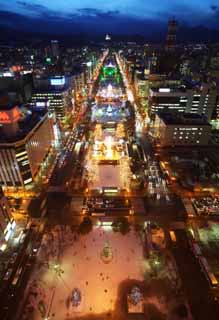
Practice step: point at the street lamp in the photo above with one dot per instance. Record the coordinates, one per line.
(156, 262)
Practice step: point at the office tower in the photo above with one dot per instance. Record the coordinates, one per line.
(171, 35)
(55, 48)
(7, 223)
(181, 129)
(199, 100)
(26, 139)
(53, 93)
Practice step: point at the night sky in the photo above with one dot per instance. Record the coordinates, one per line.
(116, 16)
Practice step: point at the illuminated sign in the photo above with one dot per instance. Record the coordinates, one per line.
(57, 81)
(16, 68)
(7, 74)
(4, 117)
(28, 181)
(9, 116)
(26, 72)
(41, 104)
(164, 90)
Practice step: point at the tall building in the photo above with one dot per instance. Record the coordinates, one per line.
(17, 84)
(55, 101)
(26, 140)
(171, 35)
(141, 87)
(80, 82)
(199, 100)
(215, 114)
(55, 48)
(53, 93)
(7, 223)
(174, 129)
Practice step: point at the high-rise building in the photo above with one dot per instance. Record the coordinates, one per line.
(16, 84)
(7, 223)
(53, 93)
(181, 99)
(215, 113)
(174, 129)
(26, 140)
(171, 35)
(54, 101)
(55, 48)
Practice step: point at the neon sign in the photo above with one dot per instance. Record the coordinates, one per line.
(10, 116)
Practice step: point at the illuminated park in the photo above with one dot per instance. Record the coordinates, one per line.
(80, 272)
(109, 160)
(107, 157)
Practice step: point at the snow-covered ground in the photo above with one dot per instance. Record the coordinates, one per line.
(108, 176)
(84, 269)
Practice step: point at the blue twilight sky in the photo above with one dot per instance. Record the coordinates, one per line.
(112, 15)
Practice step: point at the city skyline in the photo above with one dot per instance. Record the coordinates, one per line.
(128, 16)
(109, 160)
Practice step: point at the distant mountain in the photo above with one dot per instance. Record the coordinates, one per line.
(197, 34)
(15, 28)
(7, 36)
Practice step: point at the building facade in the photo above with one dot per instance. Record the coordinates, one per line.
(22, 155)
(171, 35)
(55, 48)
(172, 130)
(58, 102)
(7, 223)
(201, 101)
(54, 93)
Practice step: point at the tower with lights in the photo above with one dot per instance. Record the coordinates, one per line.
(171, 35)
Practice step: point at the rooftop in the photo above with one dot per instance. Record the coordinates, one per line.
(188, 119)
(50, 90)
(170, 89)
(8, 106)
(30, 118)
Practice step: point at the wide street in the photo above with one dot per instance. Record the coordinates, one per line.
(101, 152)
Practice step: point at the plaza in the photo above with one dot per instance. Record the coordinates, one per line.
(107, 163)
(84, 269)
(69, 262)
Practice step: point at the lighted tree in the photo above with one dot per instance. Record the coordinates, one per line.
(98, 132)
(125, 172)
(122, 225)
(120, 131)
(85, 226)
